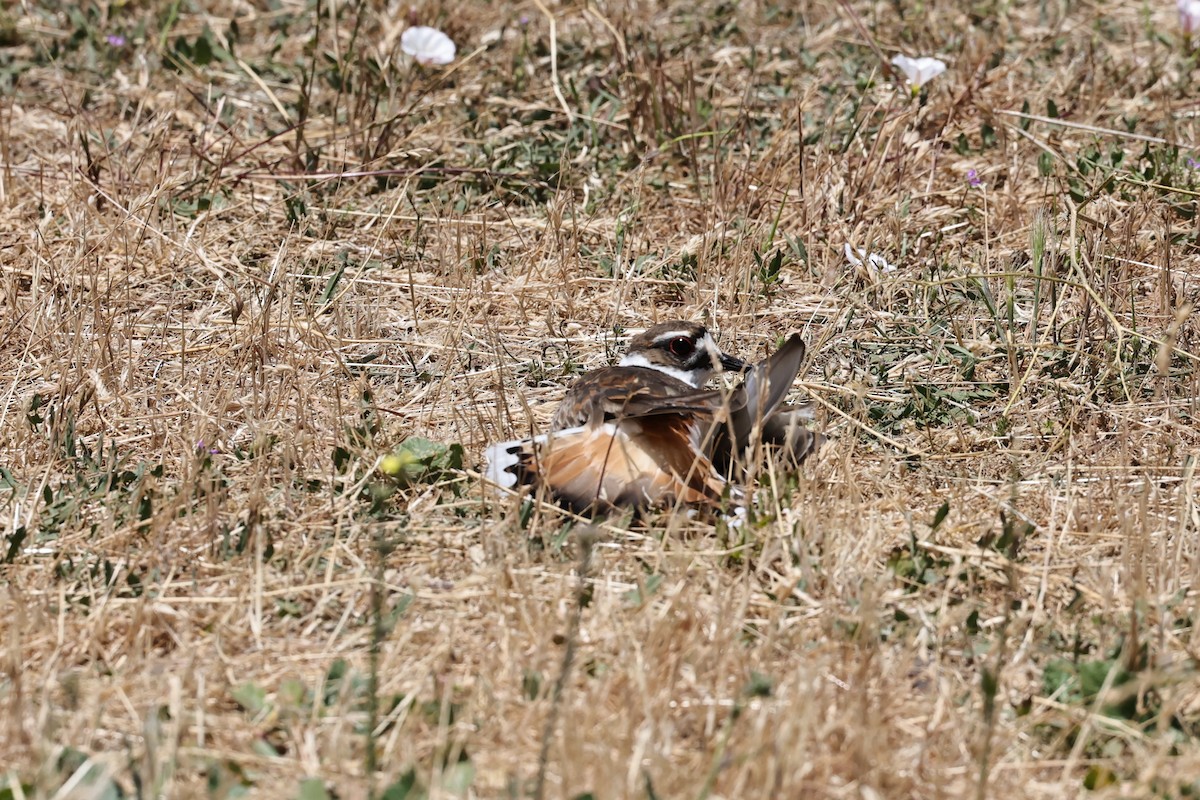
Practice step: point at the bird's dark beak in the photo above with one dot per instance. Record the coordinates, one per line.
(733, 363)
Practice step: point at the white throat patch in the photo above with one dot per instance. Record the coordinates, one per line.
(640, 360)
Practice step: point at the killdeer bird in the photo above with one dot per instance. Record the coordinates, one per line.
(646, 432)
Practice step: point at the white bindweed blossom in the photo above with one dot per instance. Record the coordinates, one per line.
(857, 258)
(920, 71)
(427, 45)
(1189, 16)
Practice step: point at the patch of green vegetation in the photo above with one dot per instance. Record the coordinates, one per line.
(407, 787)
(228, 780)
(1080, 683)
(312, 789)
(96, 478)
(768, 272)
(1121, 684)
(928, 404)
(12, 788)
(72, 767)
(555, 364)
(200, 52)
(646, 589)
(419, 460)
(1014, 530)
(918, 566)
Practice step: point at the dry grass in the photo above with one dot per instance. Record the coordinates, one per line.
(238, 270)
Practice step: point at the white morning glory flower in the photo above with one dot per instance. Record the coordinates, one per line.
(1189, 16)
(427, 45)
(920, 71)
(857, 257)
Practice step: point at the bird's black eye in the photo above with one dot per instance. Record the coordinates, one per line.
(681, 346)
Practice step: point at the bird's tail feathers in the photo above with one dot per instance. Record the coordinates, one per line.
(514, 463)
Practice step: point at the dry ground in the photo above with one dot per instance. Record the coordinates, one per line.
(247, 251)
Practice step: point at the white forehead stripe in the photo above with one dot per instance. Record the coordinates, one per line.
(640, 360)
(679, 334)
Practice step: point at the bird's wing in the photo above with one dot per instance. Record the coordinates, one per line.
(754, 403)
(622, 392)
(785, 429)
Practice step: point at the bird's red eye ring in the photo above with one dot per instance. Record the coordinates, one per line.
(681, 346)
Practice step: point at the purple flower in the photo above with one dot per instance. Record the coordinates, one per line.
(1193, 163)
(973, 179)
(115, 40)
(524, 20)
